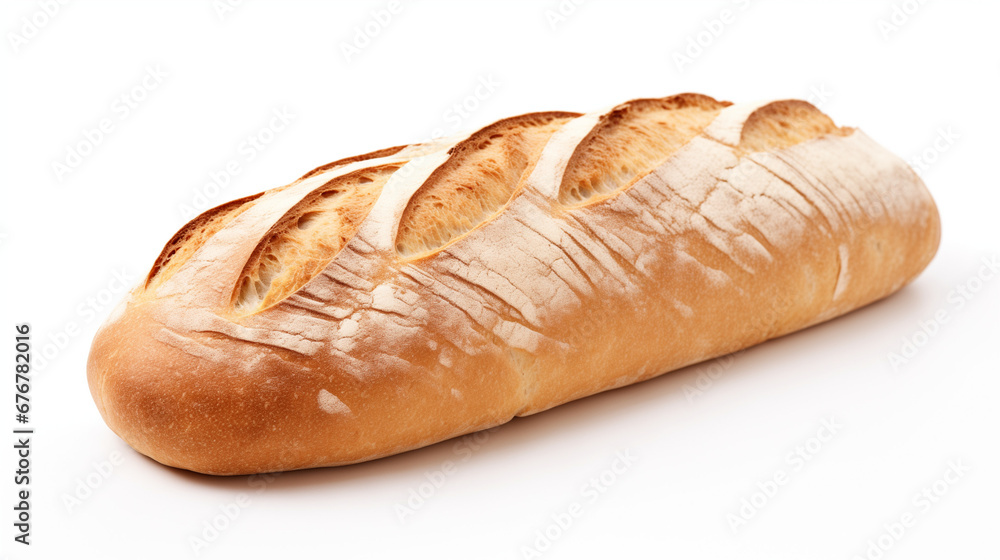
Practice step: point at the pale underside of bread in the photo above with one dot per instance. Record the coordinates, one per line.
(388, 301)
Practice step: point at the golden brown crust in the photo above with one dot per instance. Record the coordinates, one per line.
(190, 238)
(385, 152)
(307, 237)
(709, 227)
(781, 124)
(630, 140)
(476, 181)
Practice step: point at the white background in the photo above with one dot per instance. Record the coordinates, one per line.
(704, 438)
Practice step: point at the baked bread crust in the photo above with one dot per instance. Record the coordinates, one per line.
(627, 243)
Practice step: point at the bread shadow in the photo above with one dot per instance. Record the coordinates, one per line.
(547, 429)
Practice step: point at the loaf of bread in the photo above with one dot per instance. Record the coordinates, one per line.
(395, 299)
